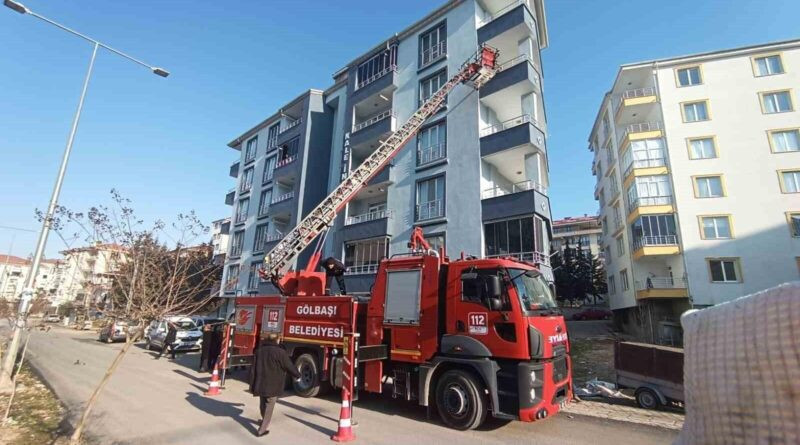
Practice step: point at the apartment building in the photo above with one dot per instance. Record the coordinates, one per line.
(580, 232)
(87, 273)
(697, 160)
(14, 271)
(220, 230)
(474, 178)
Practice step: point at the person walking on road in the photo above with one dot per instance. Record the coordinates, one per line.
(267, 376)
(172, 333)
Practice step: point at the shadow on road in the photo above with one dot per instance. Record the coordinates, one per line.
(218, 408)
(326, 431)
(305, 410)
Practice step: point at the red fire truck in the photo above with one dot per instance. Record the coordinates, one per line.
(470, 336)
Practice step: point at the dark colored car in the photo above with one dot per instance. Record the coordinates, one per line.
(593, 314)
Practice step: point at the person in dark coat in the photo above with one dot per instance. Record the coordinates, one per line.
(267, 376)
(172, 334)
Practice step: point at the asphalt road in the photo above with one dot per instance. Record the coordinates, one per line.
(151, 401)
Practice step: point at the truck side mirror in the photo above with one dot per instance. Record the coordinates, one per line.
(495, 304)
(493, 287)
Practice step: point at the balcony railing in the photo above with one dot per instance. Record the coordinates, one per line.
(501, 11)
(532, 257)
(644, 163)
(433, 53)
(236, 250)
(521, 186)
(648, 241)
(263, 208)
(430, 210)
(285, 161)
(362, 269)
(364, 82)
(505, 125)
(283, 197)
(373, 120)
(290, 125)
(240, 217)
(371, 216)
(661, 283)
(426, 155)
(515, 61)
(650, 201)
(638, 128)
(639, 92)
(246, 186)
(273, 237)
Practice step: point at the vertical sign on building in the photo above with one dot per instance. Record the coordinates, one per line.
(345, 157)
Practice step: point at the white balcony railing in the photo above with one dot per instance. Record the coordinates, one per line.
(433, 53)
(638, 92)
(430, 210)
(373, 120)
(371, 216)
(531, 257)
(241, 217)
(638, 128)
(283, 197)
(285, 161)
(362, 269)
(501, 11)
(364, 82)
(515, 61)
(521, 186)
(650, 201)
(273, 237)
(644, 163)
(505, 125)
(661, 283)
(647, 241)
(426, 155)
(290, 125)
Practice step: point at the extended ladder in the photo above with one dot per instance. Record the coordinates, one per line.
(478, 70)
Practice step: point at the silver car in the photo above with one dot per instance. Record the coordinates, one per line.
(187, 338)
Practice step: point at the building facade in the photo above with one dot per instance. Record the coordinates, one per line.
(87, 273)
(14, 272)
(580, 232)
(697, 160)
(220, 230)
(474, 178)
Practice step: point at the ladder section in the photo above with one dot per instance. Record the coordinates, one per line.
(478, 70)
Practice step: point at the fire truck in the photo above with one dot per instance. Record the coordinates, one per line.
(468, 337)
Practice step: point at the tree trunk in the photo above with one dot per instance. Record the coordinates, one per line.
(76, 435)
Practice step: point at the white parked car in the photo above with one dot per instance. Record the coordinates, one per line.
(187, 338)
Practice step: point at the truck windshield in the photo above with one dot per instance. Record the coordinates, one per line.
(532, 290)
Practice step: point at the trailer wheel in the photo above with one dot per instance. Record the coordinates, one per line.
(309, 383)
(461, 400)
(647, 398)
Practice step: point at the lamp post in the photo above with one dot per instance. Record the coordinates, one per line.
(27, 293)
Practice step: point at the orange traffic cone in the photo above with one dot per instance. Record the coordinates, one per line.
(345, 432)
(213, 385)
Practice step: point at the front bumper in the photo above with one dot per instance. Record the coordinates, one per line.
(546, 393)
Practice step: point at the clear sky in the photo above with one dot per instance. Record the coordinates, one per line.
(162, 142)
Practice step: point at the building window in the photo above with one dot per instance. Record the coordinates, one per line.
(432, 45)
(612, 285)
(437, 241)
(715, 227)
(607, 255)
(606, 126)
(237, 243)
(776, 102)
(269, 168)
(432, 144)
(376, 66)
(623, 279)
(689, 76)
(430, 198)
(261, 237)
(768, 65)
(242, 209)
(643, 154)
(695, 111)
(614, 185)
(708, 187)
(621, 245)
(365, 255)
(652, 190)
(263, 202)
(288, 152)
(702, 148)
(513, 237)
(272, 136)
(431, 84)
(724, 270)
(247, 180)
(790, 181)
(232, 279)
(250, 151)
(252, 277)
(794, 223)
(654, 230)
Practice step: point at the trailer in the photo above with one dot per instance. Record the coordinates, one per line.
(654, 372)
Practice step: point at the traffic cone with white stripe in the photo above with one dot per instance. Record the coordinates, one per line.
(345, 432)
(213, 384)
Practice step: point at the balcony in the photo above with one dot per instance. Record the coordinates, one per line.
(284, 162)
(630, 101)
(366, 225)
(273, 237)
(515, 132)
(361, 270)
(505, 23)
(430, 210)
(288, 130)
(530, 257)
(282, 197)
(369, 133)
(661, 287)
(649, 205)
(514, 78)
(230, 197)
(655, 246)
(638, 131)
(234, 170)
(644, 167)
(518, 187)
(372, 120)
(373, 87)
(431, 154)
(433, 54)
(523, 198)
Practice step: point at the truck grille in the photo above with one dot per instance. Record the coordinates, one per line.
(560, 369)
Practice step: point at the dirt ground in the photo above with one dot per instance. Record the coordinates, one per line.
(592, 359)
(35, 413)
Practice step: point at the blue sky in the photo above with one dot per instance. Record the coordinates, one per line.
(162, 142)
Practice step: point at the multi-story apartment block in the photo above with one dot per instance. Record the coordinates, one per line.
(14, 271)
(220, 234)
(474, 178)
(581, 232)
(87, 273)
(697, 160)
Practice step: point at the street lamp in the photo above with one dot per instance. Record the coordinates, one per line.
(27, 293)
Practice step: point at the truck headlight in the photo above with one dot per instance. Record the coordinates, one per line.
(533, 394)
(533, 376)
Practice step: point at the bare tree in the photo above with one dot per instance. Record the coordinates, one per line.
(150, 278)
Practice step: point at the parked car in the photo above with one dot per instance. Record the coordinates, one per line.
(201, 321)
(187, 338)
(52, 318)
(593, 314)
(114, 330)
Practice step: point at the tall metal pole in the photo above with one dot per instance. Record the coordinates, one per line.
(27, 293)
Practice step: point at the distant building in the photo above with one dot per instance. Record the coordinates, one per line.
(14, 272)
(219, 239)
(582, 232)
(87, 273)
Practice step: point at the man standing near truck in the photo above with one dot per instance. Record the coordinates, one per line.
(267, 376)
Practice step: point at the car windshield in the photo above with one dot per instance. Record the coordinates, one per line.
(532, 290)
(185, 325)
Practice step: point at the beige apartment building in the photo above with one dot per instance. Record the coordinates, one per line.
(579, 232)
(14, 272)
(88, 273)
(697, 160)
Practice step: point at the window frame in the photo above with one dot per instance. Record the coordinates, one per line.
(265, 227)
(722, 185)
(721, 215)
(691, 102)
(737, 267)
(762, 94)
(754, 64)
(247, 158)
(624, 280)
(770, 133)
(789, 216)
(271, 171)
(782, 182)
(700, 73)
(714, 145)
(441, 126)
(437, 73)
(611, 284)
(234, 244)
(441, 29)
(620, 245)
(444, 196)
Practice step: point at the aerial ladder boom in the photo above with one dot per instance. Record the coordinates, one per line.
(478, 70)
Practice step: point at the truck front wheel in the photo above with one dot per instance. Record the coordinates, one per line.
(309, 383)
(460, 400)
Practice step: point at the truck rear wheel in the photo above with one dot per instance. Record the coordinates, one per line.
(309, 383)
(461, 400)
